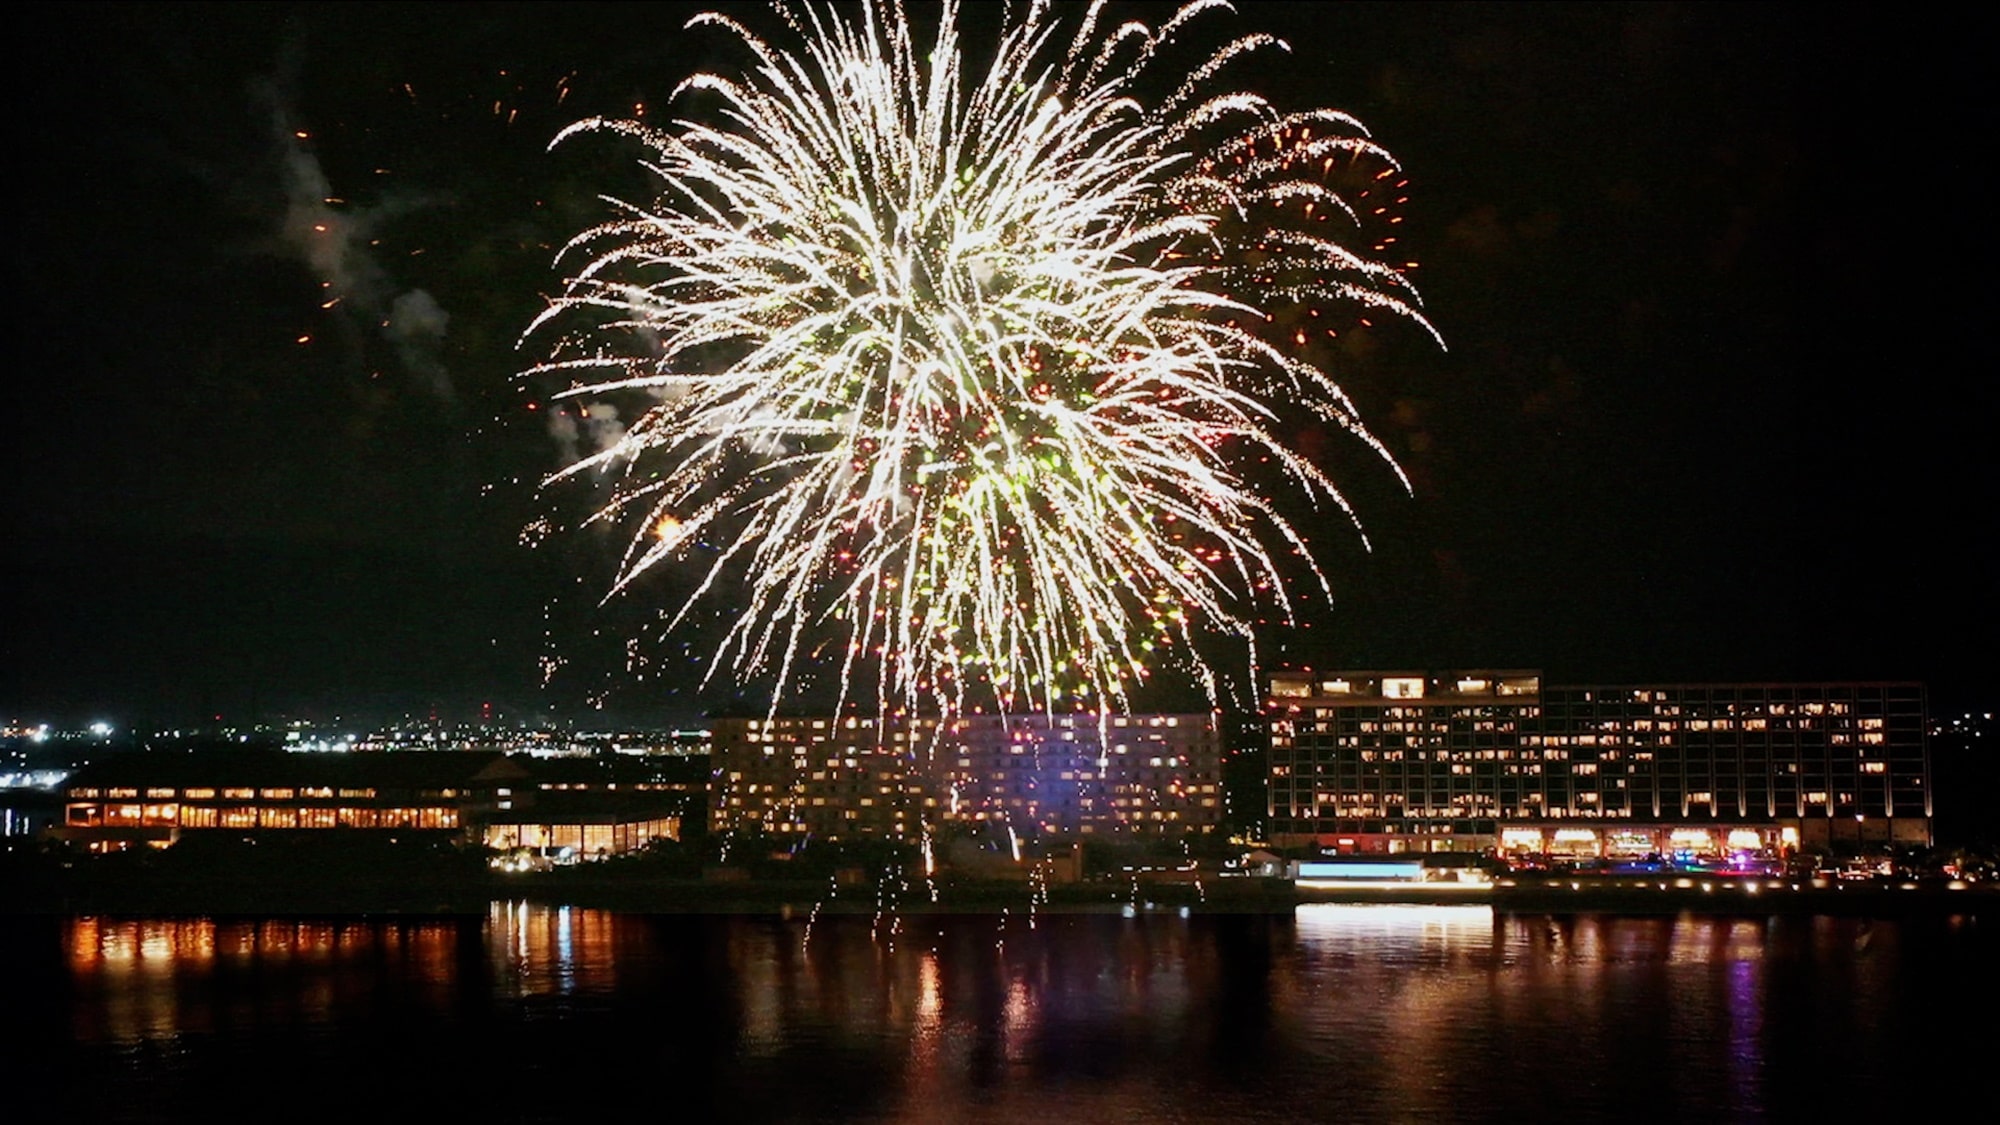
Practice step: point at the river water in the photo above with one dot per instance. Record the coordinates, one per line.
(1362, 1013)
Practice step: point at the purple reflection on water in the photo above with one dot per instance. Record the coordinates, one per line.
(1336, 1012)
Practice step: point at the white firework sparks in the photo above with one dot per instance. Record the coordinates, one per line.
(951, 388)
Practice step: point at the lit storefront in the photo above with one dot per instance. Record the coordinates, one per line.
(566, 827)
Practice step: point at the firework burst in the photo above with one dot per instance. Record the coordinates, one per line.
(953, 381)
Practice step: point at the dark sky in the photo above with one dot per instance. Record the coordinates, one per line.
(1717, 402)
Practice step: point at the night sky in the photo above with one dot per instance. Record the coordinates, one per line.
(1717, 403)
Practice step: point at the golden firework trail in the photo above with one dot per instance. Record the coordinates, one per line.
(966, 371)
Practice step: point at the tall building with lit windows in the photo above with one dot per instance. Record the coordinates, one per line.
(1062, 776)
(1395, 761)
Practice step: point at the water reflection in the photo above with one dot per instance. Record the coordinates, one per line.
(136, 980)
(558, 951)
(1366, 1012)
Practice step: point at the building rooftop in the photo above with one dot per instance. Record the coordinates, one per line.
(257, 768)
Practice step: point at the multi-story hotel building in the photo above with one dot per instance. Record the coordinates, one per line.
(1062, 776)
(1394, 761)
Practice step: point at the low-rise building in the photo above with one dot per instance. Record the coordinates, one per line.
(561, 825)
(157, 798)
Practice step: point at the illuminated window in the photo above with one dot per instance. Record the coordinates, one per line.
(199, 794)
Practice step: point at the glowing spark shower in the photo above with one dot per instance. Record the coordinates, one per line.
(966, 382)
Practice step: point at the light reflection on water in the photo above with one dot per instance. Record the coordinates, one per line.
(155, 979)
(1340, 1012)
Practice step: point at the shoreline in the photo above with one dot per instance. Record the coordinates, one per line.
(795, 898)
